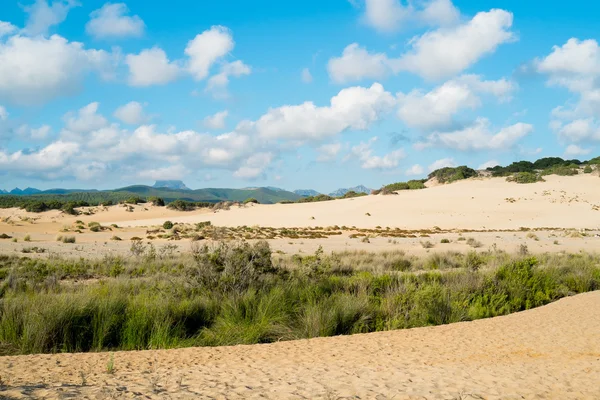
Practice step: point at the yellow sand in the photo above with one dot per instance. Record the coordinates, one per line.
(552, 352)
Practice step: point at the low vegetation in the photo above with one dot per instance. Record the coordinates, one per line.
(410, 185)
(525, 177)
(452, 174)
(241, 293)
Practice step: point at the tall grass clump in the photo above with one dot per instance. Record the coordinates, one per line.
(234, 293)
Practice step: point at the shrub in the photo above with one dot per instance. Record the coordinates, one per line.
(587, 169)
(182, 205)
(451, 174)
(5, 236)
(167, 225)
(27, 238)
(251, 200)
(134, 200)
(445, 241)
(427, 245)
(156, 201)
(525, 177)
(66, 239)
(562, 170)
(115, 238)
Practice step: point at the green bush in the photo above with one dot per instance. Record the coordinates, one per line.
(156, 201)
(167, 225)
(251, 200)
(182, 205)
(562, 170)
(587, 169)
(452, 174)
(525, 177)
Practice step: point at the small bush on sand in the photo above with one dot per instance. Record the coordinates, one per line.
(525, 177)
(167, 225)
(445, 241)
(587, 169)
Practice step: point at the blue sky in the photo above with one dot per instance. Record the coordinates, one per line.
(305, 94)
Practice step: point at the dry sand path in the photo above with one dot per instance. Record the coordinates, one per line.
(551, 352)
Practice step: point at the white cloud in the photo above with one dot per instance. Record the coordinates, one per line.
(392, 15)
(176, 171)
(45, 161)
(254, 166)
(364, 153)
(131, 113)
(306, 76)
(206, 49)
(356, 63)
(151, 67)
(42, 16)
(112, 21)
(217, 84)
(436, 109)
(352, 108)
(477, 137)
(579, 130)
(40, 133)
(449, 51)
(6, 28)
(442, 163)
(415, 170)
(575, 151)
(86, 120)
(437, 54)
(35, 70)
(488, 164)
(328, 152)
(216, 121)
(575, 66)
(3, 114)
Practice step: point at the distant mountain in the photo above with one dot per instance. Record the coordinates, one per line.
(357, 189)
(172, 184)
(306, 192)
(212, 195)
(27, 191)
(2, 191)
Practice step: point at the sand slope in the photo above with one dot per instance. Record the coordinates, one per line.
(487, 203)
(551, 352)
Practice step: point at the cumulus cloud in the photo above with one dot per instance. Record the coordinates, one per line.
(328, 152)
(131, 113)
(356, 64)
(576, 151)
(216, 121)
(576, 67)
(579, 130)
(306, 76)
(415, 170)
(42, 15)
(478, 136)
(393, 15)
(151, 67)
(437, 54)
(352, 108)
(217, 84)
(112, 21)
(442, 163)
(436, 109)
(87, 119)
(254, 167)
(206, 49)
(46, 161)
(449, 51)
(34, 70)
(368, 160)
(6, 28)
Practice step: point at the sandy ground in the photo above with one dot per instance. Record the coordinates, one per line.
(552, 352)
(478, 204)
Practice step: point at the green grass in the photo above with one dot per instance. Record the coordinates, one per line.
(240, 293)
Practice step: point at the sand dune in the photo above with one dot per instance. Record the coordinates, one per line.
(490, 203)
(552, 352)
